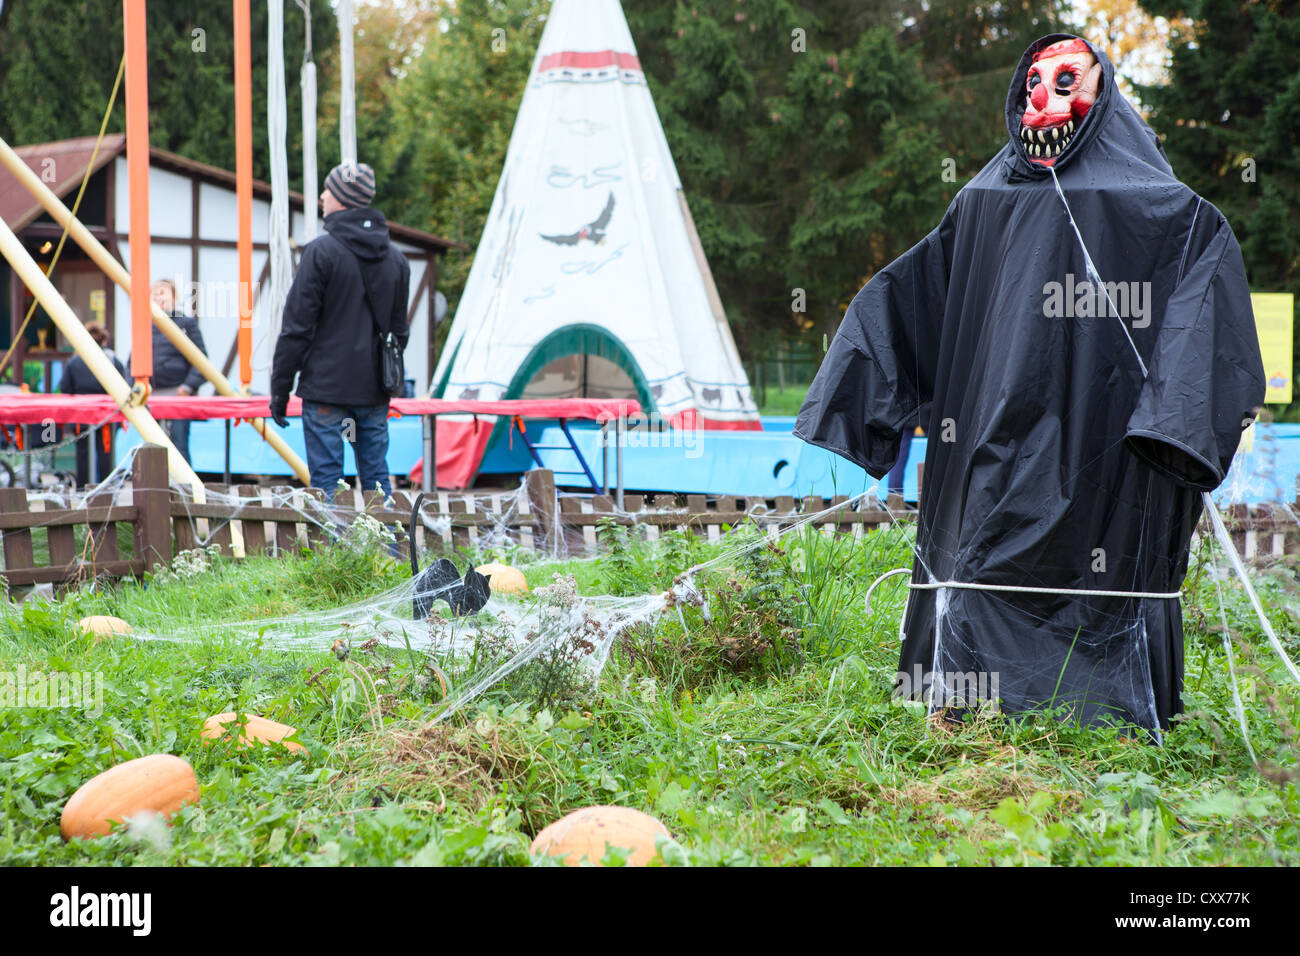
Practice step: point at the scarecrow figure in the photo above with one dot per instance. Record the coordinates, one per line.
(1076, 336)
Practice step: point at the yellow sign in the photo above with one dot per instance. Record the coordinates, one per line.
(97, 303)
(1274, 314)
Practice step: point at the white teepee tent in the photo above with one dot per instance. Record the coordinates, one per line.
(589, 279)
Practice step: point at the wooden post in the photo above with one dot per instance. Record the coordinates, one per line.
(151, 496)
(19, 555)
(315, 535)
(540, 486)
(286, 531)
(254, 529)
(221, 528)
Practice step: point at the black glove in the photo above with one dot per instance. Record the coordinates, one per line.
(279, 408)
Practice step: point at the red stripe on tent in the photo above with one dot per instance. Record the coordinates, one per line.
(589, 61)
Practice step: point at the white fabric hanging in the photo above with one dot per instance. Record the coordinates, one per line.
(310, 187)
(347, 80)
(280, 274)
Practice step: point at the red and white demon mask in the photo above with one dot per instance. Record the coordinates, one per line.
(1062, 85)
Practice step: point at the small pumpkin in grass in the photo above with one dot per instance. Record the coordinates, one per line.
(589, 831)
(504, 579)
(103, 625)
(256, 730)
(159, 783)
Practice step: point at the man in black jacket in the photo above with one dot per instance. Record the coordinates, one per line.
(350, 284)
(172, 372)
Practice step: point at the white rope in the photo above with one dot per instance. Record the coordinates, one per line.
(1026, 589)
(1225, 540)
(1211, 509)
(1232, 671)
(1094, 275)
(881, 579)
(1015, 588)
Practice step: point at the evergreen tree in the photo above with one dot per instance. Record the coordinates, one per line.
(58, 60)
(1230, 121)
(819, 140)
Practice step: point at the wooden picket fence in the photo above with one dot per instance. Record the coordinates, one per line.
(126, 533)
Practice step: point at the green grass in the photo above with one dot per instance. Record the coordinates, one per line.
(763, 734)
(783, 401)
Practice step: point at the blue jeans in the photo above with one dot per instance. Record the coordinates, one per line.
(900, 467)
(324, 428)
(178, 430)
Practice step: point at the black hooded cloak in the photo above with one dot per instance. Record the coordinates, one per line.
(1056, 459)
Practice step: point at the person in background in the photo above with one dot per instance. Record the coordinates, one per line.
(172, 372)
(899, 471)
(350, 282)
(78, 380)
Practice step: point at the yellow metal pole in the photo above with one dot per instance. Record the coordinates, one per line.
(114, 384)
(117, 272)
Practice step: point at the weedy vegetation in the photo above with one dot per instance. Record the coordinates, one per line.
(759, 725)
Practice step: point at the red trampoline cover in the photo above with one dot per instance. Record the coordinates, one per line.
(36, 408)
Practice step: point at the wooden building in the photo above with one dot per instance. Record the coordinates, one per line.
(194, 232)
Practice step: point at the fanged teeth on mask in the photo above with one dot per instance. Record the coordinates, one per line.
(1039, 144)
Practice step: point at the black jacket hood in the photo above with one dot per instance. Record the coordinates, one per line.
(363, 231)
(1108, 100)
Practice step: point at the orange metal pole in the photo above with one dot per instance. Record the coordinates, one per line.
(244, 183)
(137, 165)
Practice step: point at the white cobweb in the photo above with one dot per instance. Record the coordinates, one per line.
(554, 634)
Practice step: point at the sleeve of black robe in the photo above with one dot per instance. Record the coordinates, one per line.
(1205, 379)
(879, 370)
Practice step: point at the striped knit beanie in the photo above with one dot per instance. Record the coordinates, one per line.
(353, 184)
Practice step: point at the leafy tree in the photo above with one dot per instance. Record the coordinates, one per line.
(450, 118)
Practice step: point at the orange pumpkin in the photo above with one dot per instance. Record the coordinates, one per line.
(587, 833)
(159, 783)
(103, 625)
(503, 579)
(256, 730)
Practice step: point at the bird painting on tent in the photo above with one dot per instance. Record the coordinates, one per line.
(593, 231)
